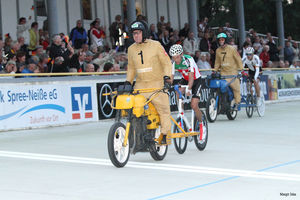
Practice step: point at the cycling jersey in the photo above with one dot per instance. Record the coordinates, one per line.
(187, 65)
(251, 64)
(254, 66)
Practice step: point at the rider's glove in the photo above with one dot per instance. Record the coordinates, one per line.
(167, 82)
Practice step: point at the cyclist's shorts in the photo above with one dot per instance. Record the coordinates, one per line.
(196, 87)
(252, 74)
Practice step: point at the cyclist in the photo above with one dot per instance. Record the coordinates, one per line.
(253, 63)
(228, 61)
(188, 68)
(151, 66)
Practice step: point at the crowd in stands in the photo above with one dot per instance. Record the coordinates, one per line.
(104, 50)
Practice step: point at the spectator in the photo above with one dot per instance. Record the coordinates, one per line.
(78, 35)
(165, 41)
(97, 36)
(153, 34)
(169, 28)
(78, 61)
(23, 46)
(160, 24)
(228, 29)
(264, 56)
(108, 67)
(10, 68)
(43, 63)
(288, 52)
(31, 67)
(15, 47)
(21, 59)
(245, 46)
(114, 31)
(56, 50)
(33, 37)
(184, 31)
(89, 67)
(281, 64)
(205, 43)
(190, 44)
(270, 64)
(202, 63)
(257, 46)
(7, 45)
(197, 56)
(202, 25)
(22, 29)
(274, 51)
(89, 57)
(294, 64)
(296, 51)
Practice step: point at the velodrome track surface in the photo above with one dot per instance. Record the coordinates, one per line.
(257, 158)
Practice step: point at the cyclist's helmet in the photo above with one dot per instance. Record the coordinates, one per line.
(175, 50)
(140, 25)
(249, 51)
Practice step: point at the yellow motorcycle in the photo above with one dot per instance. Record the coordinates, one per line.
(142, 129)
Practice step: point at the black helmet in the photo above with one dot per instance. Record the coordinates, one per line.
(140, 25)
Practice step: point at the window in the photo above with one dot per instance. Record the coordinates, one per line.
(40, 8)
(86, 9)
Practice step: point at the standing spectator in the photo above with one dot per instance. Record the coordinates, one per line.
(97, 36)
(78, 35)
(274, 51)
(185, 30)
(63, 55)
(288, 52)
(153, 33)
(114, 30)
(23, 27)
(202, 63)
(264, 56)
(257, 46)
(228, 29)
(205, 43)
(190, 44)
(160, 24)
(34, 36)
(203, 25)
(296, 51)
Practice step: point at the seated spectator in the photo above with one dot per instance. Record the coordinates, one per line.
(153, 33)
(197, 56)
(89, 57)
(21, 59)
(89, 67)
(296, 51)
(10, 68)
(7, 44)
(23, 46)
(78, 61)
(257, 46)
(14, 48)
(205, 43)
(264, 56)
(31, 67)
(165, 40)
(294, 64)
(190, 45)
(184, 31)
(43, 63)
(108, 67)
(281, 64)
(202, 63)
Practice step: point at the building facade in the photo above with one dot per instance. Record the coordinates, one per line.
(69, 11)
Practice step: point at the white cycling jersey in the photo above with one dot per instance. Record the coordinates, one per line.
(254, 64)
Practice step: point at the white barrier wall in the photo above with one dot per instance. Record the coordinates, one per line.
(52, 103)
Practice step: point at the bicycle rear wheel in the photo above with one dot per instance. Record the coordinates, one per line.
(201, 141)
(180, 143)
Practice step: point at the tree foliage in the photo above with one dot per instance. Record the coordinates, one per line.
(259, 14)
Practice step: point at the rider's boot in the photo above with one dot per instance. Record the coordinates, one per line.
(165, 139)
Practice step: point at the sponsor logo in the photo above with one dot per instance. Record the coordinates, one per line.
(105, 101)
(81, 103)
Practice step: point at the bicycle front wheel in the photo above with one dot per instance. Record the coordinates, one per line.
(249, 109)
(180, 143)
(201, 140)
